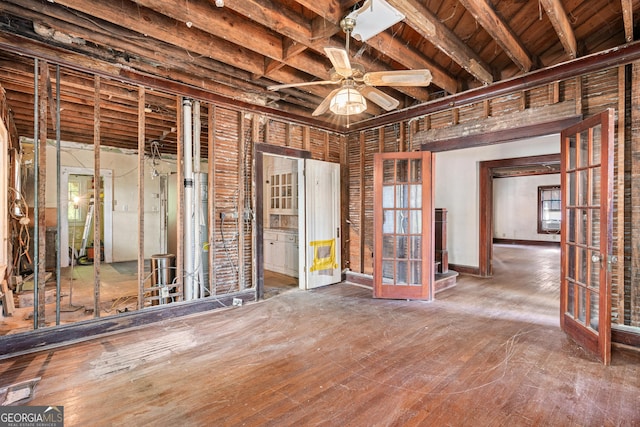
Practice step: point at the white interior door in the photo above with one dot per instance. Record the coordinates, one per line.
(320, 225)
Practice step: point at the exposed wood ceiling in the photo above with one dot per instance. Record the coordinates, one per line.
(237, 50)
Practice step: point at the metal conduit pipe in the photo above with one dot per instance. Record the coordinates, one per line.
(197, 201)
(188, 200)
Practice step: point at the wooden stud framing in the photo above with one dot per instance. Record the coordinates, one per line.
(554, 92)
(344, 200)
(619, 189)
(241, 194)
(255, 138)
(412, 131)
(579, 95)
(96, 197)
(326, 146)
(361, 214)
(141, 140)
(306, 138)
(287, 134)
(211, 206)
(486, 108)
(266, 131)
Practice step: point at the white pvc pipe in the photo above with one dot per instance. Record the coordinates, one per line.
(197, 200)
(188, 200)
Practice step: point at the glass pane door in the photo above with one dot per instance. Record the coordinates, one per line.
(587, 153)
(403, 225)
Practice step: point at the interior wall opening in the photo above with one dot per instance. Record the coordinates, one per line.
(281, 220)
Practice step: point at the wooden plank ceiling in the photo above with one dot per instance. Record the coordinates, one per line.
(235, 51)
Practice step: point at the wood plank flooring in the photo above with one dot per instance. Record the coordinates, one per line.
(488, 352)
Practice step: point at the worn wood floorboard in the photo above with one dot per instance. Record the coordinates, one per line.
(488, 352)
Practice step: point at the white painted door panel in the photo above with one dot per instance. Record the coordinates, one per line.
(321, 239)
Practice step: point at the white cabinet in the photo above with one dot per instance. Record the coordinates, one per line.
(281, 252)
(283, 193)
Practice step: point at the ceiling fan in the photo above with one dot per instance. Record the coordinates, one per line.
(356, 84)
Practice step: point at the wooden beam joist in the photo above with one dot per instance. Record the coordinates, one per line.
(429, 26)
(149, 23)
(627, 17)
(501, 33)
(561, 24)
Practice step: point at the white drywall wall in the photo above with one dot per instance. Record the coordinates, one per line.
(456, 184)
(515, 207)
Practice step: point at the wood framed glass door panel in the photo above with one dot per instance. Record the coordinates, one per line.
(403, 226)
(586, 237)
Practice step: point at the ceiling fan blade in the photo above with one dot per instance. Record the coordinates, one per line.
(319, 82)
(398, 78)
(324, 105)
(379, 97)
(340, 60)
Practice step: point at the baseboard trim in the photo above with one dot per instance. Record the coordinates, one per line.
(465, 269)
(625, 337)
(443, 281)
(525, 242)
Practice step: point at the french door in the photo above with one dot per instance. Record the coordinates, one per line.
(403, 224)
(586, 240)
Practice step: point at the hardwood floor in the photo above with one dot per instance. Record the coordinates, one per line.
(488, 352)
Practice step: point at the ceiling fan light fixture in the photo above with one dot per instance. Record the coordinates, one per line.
(348, 101)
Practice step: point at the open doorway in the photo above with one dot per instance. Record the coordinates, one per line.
(548, 164)
(83, 246)
(307, 195)
(280, 217)
(77, 179)
(513, 238)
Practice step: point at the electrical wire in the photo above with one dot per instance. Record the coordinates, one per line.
(19, 204)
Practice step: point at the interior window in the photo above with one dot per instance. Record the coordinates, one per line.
(549, 209)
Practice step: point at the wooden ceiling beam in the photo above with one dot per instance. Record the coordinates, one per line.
(183, 66)
(429, 26)
(561, 24)
(388, 45)
(491, 22)
(118, 38)
(262, 39)
(627, 17)
(148, 23)
(321, 28)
